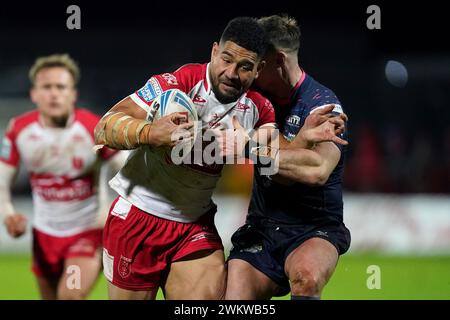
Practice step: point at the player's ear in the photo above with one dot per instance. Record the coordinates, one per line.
(75, 95)
(215, 50)
(259, 68)
(33, 95)
(280, 58)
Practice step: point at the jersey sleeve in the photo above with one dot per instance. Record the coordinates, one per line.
(266, 113)
(183, 79)
(9, 152)
(89, 120)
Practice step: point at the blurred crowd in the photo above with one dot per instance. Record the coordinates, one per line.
(397, 161)
(388, 161)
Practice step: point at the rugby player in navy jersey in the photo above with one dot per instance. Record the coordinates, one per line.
(294, 231)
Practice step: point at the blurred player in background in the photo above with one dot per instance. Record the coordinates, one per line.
(55, 142)
(160, 231)
(294, 232)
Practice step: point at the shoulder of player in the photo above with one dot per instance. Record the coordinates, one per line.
(85, 115)
(22, 121)
(258, 99)
(186, 76)
(317, 95)
(86, 118)
(194, 68)
(194, 71)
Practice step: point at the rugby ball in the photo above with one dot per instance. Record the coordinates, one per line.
(171, 101)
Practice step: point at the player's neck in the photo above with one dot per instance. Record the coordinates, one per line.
(291, 77)
(295, 74)
(56, 122)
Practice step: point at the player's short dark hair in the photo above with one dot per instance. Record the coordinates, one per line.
(247, 33)
(281, 31)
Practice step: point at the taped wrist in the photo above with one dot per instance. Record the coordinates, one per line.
(121, 131)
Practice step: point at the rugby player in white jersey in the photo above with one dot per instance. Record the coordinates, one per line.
(160, 231)
(55, 143)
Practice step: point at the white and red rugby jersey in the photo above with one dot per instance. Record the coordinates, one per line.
(61, 164)
(151, 182)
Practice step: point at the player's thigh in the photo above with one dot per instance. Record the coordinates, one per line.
(79, 276)
(201, 275)
(316, 258)
(116, 293)
(47, 287)
(245, 282)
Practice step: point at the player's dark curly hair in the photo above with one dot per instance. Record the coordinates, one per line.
(247, 33)
(281, 31)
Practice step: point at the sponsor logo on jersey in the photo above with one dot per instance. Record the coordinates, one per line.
(170, 79)
(242, 107)
(62, 189)
(198, 99)
(150, 91)
(213, 123)
(294, 120)
(155, 86)
(5, 149)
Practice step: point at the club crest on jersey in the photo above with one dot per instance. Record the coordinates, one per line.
(77, 163)
(170, 79)
(124, 267)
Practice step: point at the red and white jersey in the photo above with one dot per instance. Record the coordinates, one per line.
(62, 168)
(151, 182)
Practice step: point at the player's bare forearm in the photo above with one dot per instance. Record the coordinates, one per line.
(312, 167)
(300, 165)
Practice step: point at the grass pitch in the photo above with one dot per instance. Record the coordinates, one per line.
(401, 278)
